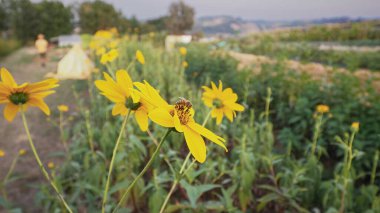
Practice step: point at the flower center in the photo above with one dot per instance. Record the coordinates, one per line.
(18, 98)
(217, 103)
(182, 107)
(130, 105)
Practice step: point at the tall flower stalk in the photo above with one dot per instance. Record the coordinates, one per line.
(182, 172)
(39, 162)
(130, 187)
(105, 194)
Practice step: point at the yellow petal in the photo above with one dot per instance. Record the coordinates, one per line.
(42, 85)
(229, 114)
(7, 78)
(40, 104)
(161, 117)
(119, 108)
(220, 86)
(124, 80)
(196, 144)
(41, 94)
(10, 111)
(207, 134)
(142, 119)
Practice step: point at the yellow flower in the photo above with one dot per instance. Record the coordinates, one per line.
(222, 102)
(110, 56)
(63, 108)
(2, 153)
(355, 126)
(113, 44)
(125, 98)
(22, 152)
(100, 51)
(185, 64)
(51, 165)
(322, 108)
(180, 116)
(140, 57)
(20, 97)
(183, 51)
(105, 34)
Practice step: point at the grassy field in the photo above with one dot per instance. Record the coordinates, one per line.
(301, 144)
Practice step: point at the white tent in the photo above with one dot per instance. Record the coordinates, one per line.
(75, 65)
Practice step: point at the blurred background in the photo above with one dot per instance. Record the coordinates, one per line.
(283, 58)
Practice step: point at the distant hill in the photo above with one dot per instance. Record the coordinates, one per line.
(228, 25)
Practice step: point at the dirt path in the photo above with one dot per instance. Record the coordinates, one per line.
(315, 70)
(24, 66)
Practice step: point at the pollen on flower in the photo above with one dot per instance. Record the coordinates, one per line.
(182, 108)
(18, 98)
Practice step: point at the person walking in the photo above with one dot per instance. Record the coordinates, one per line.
(42, 46)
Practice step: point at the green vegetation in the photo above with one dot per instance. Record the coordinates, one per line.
(367, 30)
(269, 167)
(8, 46)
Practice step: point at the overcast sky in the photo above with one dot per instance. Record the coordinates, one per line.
(254, 9)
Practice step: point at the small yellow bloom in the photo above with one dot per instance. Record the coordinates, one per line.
(185, 64)
(2, 153)
(140, 57)
(63, 108)
(355, 126)
(125, 98)
(222, 102)
(152, 34)
(110, 56)
(104, 34)
(113, 44)
(20, 97)
(22, 152)
(183, 51)
(100, 51)
(322, 108)
(179, 116)
(51, 165)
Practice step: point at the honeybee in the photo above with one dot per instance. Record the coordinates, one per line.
(184, 102)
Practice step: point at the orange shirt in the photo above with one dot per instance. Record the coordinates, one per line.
(41, 45)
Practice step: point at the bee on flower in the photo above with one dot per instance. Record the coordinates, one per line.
(125, 98)
(180, 117)
(222, 102)
(21, 97)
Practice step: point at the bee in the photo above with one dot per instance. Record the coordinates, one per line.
(184, 103)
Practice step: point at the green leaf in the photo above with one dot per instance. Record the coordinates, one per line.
(194, 192)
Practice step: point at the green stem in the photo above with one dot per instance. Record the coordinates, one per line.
(105, 194)
(182, 171)
(10, 171)
(316, 134)
(89, 130)
(373, 173)
(346, 172)
(43, 170)
(61, 131)
(130, 187)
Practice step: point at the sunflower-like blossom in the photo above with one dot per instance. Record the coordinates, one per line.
(109, 56)
(125, 98)
(181, 118)
(222, 102)
(20, 97)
